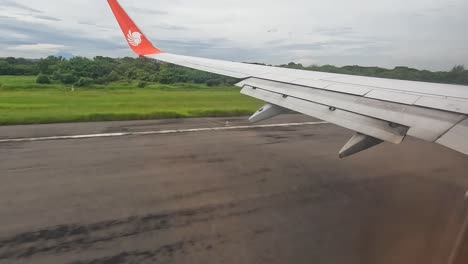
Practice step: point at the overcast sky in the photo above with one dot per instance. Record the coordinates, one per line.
(426, 34)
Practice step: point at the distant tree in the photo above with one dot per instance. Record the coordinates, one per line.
(49, 64)
(142, 84)
(56, 76)
(214, 82)
(293, 65)
(43, 79)
(68, 78)
(113, 76)
(104, 70)
(458, 69)
(165, 76)
(84, 82)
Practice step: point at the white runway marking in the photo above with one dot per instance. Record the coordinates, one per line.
(157, 132)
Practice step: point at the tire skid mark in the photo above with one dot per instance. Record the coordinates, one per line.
(139, 256)
(161, 253)
(75, 237)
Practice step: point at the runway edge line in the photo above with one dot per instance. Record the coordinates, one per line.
(156, 132)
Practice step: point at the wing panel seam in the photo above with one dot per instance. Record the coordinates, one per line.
(326, 105)
(448, 130)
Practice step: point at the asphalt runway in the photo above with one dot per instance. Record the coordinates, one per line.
(247, 195)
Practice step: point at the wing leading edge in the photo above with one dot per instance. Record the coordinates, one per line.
(377, 109)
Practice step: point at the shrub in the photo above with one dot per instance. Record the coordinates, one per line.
(101, 80)
(43, 79)
(113, 77)
(68, 78)
(56, 76)
(84, 82)
(141, 84)
(214, 82)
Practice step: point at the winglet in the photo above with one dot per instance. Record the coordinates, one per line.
(135, 38)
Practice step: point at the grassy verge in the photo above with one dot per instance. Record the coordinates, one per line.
(24, 102)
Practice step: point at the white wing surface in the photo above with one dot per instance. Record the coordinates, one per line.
(377, 109)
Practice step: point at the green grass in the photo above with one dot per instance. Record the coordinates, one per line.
(24, 102)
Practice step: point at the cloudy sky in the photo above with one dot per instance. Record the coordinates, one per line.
(426, 34)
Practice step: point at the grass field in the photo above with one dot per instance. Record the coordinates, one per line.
(22, 101)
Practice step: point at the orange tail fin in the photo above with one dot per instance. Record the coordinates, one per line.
(135, 38)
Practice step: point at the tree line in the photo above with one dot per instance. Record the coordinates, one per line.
(457, 75)
(82, 71)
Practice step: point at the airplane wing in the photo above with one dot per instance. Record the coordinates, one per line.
(377, 109)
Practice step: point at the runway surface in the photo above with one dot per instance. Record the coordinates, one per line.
(250, 195)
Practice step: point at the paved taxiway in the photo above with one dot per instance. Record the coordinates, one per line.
(263, 195)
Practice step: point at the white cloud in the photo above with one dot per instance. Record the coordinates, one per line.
(41, 48)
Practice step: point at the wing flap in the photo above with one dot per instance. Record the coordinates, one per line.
(423, 88)
(349, 89)
(455, 138)
(360, 123)
(358, 143)
(401, 98)
(427, 124)
(448, 104)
